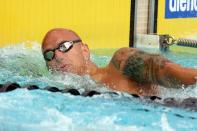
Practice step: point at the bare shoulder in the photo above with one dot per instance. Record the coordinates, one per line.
(120, 56)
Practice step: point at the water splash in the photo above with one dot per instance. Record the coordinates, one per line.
(38, 110)
(25, 65)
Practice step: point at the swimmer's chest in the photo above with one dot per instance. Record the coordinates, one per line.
(120, 82)
(125, 84)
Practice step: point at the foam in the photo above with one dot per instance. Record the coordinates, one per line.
(54, 121)
(108, 124)
(165, 124)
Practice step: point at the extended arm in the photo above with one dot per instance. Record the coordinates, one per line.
(186, 76)
(153, 68)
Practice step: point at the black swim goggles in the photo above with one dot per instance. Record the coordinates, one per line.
(64, 46)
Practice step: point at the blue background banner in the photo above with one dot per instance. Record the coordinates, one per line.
(180, 8)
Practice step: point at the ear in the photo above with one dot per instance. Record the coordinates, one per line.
(86, 51)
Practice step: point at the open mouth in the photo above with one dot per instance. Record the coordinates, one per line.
(64, 66)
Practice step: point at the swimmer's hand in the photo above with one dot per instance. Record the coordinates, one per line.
(185, 76)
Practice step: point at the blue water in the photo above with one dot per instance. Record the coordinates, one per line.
(39, 110)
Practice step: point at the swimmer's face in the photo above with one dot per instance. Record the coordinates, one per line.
(73, 60)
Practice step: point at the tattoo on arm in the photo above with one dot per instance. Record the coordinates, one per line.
(115, 63)
(144, 68)
(135, 67)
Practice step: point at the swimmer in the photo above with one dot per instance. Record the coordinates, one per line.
(130, 70)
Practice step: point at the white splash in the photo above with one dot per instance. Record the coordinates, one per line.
(56, 122)
(108, 124)
(164, 123)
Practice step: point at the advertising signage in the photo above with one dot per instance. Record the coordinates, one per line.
(180, 9)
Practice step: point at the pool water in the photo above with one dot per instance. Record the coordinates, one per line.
(38, 110)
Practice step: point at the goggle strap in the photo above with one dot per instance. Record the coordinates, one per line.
(76, 41)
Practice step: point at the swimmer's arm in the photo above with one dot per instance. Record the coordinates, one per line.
(152, 68)
(186, 76)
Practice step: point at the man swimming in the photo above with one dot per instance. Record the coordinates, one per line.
(130, 70)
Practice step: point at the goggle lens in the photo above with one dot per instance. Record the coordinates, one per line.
(49, 55)
(63, 47)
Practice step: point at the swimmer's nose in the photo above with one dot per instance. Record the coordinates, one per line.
(59, 56)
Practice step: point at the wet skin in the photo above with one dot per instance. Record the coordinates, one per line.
(119, 74)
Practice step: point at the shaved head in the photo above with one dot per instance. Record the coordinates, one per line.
(57, 35)
(73, 60)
